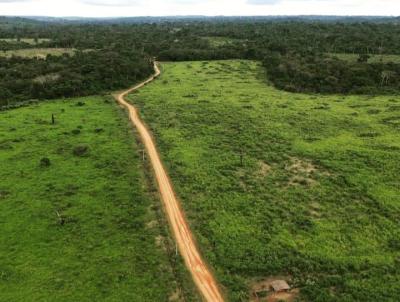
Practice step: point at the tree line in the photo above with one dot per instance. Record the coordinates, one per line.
(84, 73)
(320, 73)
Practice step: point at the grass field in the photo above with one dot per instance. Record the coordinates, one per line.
(83, 225)
(37, 52)
(372, 59)
(302, 186)
(26, 40)
(222, 41)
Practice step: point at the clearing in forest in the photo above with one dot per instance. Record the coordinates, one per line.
(37, 52)
(373, 58)
(275, 183)
(78, 219)
(30, 41)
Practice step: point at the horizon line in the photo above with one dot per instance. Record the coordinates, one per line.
(204, 16)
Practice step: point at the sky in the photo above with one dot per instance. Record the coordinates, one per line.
(114, 8)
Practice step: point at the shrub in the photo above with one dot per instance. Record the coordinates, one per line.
(80, 150)
(45, 162)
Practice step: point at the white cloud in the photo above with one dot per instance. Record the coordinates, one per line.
(263, 2)
(11, 1)
(93, 8)
(112, 2)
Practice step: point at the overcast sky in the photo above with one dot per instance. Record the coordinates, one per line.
(111, 8)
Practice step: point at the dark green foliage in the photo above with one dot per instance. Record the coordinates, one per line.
(45, 162)
(363, 58)
(296, 72)
(80, 150)
(81, 74)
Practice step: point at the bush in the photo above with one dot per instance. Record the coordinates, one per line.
(80, 150)
(45, 162)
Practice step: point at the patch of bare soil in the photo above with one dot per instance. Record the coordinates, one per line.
(160, 242)
(264, 168)
(152, 224)
(176, 296)
(288, 297)
(315, 209)
(303, 172)
(261, 291)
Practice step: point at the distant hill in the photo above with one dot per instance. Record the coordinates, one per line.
(15, 21)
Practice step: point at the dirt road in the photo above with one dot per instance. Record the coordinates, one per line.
(201, 275)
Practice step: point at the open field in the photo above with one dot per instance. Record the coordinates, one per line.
(26, 40)
(37, 52)
(372, 59)
(222, 41)
(279, 184)
(79, 221)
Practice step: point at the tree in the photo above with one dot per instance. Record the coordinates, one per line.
(363, 58)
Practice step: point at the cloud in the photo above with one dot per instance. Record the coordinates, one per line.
(112, 2)
(117, 8)
(271, 2)
(12, 1)
(263, 2)
(136, 2)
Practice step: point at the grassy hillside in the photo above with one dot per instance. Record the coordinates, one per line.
(77, 221)
(273, 183)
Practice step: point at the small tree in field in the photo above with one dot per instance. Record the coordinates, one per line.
(363, 58)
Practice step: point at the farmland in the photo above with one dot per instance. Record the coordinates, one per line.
(276, 183)
(78, 214)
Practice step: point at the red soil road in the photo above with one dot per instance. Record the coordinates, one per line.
(201, 275)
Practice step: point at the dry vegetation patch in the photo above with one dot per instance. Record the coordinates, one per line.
(52, 77)
(264, 168)
(40, 53)
(303, 172)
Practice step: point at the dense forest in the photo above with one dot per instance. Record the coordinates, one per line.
(83, 73)
(324, 74)
(294, 52)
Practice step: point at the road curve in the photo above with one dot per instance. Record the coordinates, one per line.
(201, 275)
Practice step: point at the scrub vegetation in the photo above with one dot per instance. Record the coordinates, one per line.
(37, 52)
(30, 41)
(79, 219)
(371, 58)
(277, 183)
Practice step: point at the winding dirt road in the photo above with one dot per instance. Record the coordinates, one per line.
(201, 275)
